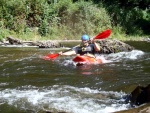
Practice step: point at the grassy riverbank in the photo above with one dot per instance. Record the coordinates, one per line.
(34, 36)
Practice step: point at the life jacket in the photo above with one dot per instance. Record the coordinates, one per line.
(86, 50)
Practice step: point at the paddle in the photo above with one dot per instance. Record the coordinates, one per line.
(102, 35)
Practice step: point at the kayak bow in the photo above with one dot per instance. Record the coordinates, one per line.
(81, 60)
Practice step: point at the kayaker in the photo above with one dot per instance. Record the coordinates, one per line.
(87, 47)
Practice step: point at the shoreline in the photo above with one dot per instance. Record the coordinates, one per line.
(14, 42)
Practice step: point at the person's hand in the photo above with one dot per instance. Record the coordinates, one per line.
(91, 40)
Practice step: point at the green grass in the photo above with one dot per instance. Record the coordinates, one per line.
(34, 36)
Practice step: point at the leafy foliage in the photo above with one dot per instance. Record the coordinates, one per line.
(132, 15)
(69, 18)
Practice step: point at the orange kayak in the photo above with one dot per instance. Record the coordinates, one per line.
(81, 60)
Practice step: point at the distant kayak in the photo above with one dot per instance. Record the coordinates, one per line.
(81, 60)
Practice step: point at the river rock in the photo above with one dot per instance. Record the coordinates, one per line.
(13, 41)
(50, 44)
(41, 44)
(145, 108)
(139, 95)
(139, 100)
(107, 46)
(113, 46)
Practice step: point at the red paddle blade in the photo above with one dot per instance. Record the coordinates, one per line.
(51, 56)
(103, 35)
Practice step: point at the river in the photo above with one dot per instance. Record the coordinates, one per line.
(29, 84)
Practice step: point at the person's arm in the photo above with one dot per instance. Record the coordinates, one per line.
(71, 52)
(96, 46)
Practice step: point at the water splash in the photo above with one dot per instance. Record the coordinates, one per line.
(68, 62)
(63, 98)
(133, 55)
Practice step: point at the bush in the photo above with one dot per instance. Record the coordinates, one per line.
(80, 17)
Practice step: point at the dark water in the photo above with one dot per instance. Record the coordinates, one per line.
(29, 84)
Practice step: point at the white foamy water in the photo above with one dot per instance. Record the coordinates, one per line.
(133, 55)
(102, 57)
(69, 62)
(63, 98)
(106, 58)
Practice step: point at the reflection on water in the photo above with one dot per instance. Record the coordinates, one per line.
(31, 84)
